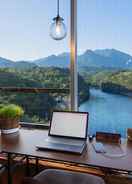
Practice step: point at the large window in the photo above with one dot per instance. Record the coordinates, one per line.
(31, 61)
(105, 63)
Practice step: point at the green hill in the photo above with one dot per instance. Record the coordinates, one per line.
(38, 106)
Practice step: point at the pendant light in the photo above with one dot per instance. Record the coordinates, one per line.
(58, 28)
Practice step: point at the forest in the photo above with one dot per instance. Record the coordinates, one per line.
(38, 106)
(110, 80)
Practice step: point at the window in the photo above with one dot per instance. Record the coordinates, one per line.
(105, 63)
(31, 61)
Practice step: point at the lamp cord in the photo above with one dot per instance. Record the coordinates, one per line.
(58, 7)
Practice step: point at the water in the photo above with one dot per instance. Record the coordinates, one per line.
(108, 112)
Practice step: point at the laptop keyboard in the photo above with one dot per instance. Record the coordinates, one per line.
(64, 141)
(62, 147)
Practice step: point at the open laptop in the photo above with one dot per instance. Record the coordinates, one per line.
(67, 132)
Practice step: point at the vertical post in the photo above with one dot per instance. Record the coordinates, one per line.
(27, 165)
(73, 57)
(9, 169)
(37, 166)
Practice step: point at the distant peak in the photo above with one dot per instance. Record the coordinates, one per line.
(64, 54)
(88, 51)
(51, 56)
(109, 50)
(4, 59)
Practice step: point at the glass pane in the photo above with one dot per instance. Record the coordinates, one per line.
(105, 63)
(30, 58)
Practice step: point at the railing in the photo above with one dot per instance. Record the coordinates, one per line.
(34, 90)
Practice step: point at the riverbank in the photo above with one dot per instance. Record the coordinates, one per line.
(115, 82)
(116, 89)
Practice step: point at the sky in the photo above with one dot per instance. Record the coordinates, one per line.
(24, 27)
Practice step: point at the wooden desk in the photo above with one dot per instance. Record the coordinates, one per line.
(25, 143)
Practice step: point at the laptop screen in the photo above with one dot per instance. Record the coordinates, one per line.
(69, 124)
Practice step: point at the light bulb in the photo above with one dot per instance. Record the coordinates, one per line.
(58, 29)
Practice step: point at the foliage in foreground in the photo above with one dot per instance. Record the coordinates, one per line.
(11, 111)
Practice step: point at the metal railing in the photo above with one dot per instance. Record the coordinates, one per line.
(34, 90)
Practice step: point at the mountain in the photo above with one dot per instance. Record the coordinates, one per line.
(6, 63)
(116, 57)
(101, 58)
(61, 61)
(91, 59)
(24, 65)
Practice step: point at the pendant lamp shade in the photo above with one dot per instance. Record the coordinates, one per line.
(58, 28)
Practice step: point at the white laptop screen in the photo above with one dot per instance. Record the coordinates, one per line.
(69, 124)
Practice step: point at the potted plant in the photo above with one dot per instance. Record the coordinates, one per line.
(9, 118)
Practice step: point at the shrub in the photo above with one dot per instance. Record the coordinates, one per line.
(11, 111)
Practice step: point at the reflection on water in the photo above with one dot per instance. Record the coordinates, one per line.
(108, 112)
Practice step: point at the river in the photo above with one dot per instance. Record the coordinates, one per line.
(108, 112)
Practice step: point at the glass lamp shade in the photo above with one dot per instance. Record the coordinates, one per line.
(58, 29)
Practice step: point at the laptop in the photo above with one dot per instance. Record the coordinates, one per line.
(67, 132)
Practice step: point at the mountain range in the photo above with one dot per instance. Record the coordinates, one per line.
(106, 58)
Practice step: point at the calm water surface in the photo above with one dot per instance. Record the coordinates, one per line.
(108, 112)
